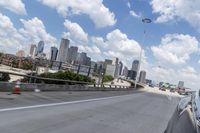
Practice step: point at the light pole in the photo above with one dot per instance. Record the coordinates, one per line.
(144, 21)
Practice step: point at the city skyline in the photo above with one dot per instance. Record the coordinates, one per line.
(170, 52)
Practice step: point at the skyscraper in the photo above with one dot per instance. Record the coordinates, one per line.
(63, 50)
(54, 53)
(33, 49)
(72, 54)
(40, 48)
(82, 58)
(107, 62)
(115, 62)
(125, 72)
(110, 70)
(131, 74)
(135, 65)
(142, 77)
(180, 84)
(88, 61)
(120, 68)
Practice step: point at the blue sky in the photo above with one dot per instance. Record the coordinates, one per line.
(107, 29)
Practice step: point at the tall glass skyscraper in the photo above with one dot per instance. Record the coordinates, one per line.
(54, 53)
(40, 48)
(63, 50)
(135, 65)
(33, 50)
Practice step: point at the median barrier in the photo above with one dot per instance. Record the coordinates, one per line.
(8, 87)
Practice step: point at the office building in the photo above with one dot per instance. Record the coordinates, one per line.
(110, 70)
(115, 62)
(107, 62)
(131, 74)
(180, 84)
(120, 68)
(88, 61)
(20, 53)
(54, 53)
(135, 65)
(72, 54)
(82, 58)
(33, 49)
(99, 67)
(142, 77)
(125, 72)
(40, 48)
(63, 50)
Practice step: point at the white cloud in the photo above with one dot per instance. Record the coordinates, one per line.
(119, 42)
(76, 32)
(119, 45)
(116, 44)
(10, 38)
(188, 10)
(91, 50)
(16, 6)
(129, 5)
(132, 13)
(95, 9)
(99, 41)
(175, 49)
(173, 75)
(33, 31)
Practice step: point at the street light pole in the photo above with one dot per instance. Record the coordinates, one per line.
(145, 21)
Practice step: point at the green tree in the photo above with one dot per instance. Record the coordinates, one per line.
(107, 78)
(4, 77)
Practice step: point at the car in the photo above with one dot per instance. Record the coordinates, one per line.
(172, 90)
(162, 89)
(151, 85)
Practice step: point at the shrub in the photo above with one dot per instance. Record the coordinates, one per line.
(4, 77)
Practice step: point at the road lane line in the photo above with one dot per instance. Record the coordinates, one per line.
(61, 103)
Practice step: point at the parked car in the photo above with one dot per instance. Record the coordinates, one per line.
(172, 90)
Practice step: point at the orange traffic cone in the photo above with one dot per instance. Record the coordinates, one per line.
(17, 89)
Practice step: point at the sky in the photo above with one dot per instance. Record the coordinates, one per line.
(112, 28)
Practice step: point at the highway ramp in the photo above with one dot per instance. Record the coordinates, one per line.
(143, 112)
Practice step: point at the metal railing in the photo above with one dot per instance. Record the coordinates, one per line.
(68, 81)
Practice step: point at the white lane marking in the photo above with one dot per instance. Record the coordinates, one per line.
(61, 103)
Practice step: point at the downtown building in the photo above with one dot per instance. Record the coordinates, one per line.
(20, 53)
(83, 59)
(40, 48)
(72, 54)
(33, 49)
(63, 50)
(135, 65)
(125, 72)
(132, 74)
(142, 77)
(113, 68)
(115, 62)
(54, 53)
(120, 68)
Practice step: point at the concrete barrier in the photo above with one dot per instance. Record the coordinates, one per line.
(8, 87)
(182, 123)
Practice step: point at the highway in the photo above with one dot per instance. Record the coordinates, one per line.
(134, 112)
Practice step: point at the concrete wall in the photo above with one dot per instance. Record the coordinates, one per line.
(183, 123)
(4, 86)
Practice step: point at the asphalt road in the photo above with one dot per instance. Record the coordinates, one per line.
(133, 113)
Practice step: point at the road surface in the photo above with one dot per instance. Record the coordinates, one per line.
(143, 112)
